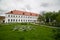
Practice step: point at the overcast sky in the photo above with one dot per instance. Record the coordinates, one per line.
(30, 5)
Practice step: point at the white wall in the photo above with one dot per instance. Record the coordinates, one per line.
(22, 17)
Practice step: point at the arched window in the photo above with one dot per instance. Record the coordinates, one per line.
(8, 15)
(8, 20)
(19, 19)
(16, 20)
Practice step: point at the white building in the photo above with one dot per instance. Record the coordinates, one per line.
(20, 16)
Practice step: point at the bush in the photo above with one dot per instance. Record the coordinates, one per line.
(57, 25)
(57, 35)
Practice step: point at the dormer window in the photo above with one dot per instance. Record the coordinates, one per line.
(23, 13)
(11, 11)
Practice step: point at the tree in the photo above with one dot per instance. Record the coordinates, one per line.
(40, 18)
(50, 18)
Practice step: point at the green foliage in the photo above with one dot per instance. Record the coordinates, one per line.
(40, 18)
(51, 18)
(57, 34)
(58, 18)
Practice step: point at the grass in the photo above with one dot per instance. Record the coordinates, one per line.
(40, 32)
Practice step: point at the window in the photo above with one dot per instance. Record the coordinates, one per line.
(14, 16)
(11, 15)
(11, 11)
(30, 14)
(34, 20)
(8, 15)
(28, 17)
(16, 20)
(19, 19)
(26, 20)
(11, 20)
(19, 16)
(8, 19)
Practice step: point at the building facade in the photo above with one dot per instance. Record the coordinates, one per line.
(20, 16)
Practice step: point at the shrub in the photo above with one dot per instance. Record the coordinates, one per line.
(57, 35)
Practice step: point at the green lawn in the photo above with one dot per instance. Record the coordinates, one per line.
(39, 33)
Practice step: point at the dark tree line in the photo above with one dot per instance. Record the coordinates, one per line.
(50, 18)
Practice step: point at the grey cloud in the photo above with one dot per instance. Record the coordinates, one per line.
(58, 2)
(2, 10)
(0, 0)
(28, 7)
(44, 4)
(31, 5)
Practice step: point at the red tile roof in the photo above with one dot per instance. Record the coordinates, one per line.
(17, 12)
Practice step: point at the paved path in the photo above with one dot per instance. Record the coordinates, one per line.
(51, 26)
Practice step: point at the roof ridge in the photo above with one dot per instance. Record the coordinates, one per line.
(22, 13)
